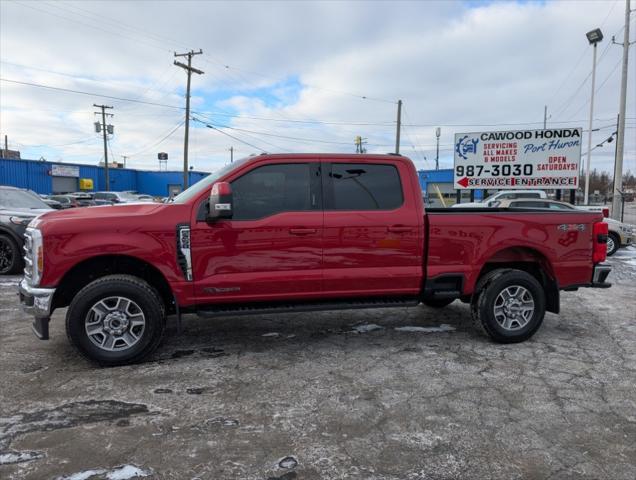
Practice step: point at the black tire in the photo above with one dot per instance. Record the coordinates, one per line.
(613, 243)
(488, 292)
(438, 302)
(10, 257)
(145, 300)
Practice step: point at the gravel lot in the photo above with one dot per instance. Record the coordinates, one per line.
(375, 394)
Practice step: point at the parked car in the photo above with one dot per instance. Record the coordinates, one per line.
(292, 233)
(83, 199)
(116, 197)
(503, 195)
(65, 200)
(619, 235)
(145, 198)
(51, 203)
(17, 208)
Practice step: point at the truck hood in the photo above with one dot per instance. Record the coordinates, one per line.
(105, 211)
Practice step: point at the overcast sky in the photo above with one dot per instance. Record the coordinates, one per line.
(304, 76)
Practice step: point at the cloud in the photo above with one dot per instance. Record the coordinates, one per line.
(454, 64)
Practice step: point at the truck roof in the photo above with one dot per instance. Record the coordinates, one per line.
(329, 156)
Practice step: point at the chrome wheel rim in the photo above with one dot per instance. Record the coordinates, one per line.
(115, 324)
(514, 307)
(610, 244)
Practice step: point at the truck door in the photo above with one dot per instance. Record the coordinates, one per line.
(271, 249)
(371, 239)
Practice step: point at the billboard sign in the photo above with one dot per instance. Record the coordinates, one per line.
(518, 159)
(65, 170)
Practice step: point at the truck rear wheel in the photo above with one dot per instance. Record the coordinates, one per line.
(509, 305)
(116, 320)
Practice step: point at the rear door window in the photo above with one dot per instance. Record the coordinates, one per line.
(363, 186)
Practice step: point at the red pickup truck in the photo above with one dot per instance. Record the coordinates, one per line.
(283, 233)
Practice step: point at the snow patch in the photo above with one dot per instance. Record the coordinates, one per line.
(123, 472)
(369, 327)
(8, 458)
(442, 328)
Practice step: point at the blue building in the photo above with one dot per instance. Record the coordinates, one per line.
(438, 191)
(53, 177)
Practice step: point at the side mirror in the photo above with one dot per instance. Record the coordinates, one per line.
(220, 201)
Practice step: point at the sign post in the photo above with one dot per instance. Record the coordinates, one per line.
(518, 159)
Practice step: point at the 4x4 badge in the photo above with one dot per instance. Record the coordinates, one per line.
(570, 227)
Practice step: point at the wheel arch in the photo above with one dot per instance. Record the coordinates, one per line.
(93, 268)
(529, 260)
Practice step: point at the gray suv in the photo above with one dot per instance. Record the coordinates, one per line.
(17, 208)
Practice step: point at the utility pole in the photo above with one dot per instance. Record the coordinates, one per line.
(594, 37)
(104, 129)
(189, 69)
(6, 147)
(231, 154)
(438, 132)
(617, 204)
(399, 126)
(545, 116)
(125, 157)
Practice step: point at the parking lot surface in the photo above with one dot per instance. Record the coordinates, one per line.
(374, 394)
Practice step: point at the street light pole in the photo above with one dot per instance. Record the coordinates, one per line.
(594, 37)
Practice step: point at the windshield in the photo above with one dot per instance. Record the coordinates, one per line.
(207, 182)
(20, 199)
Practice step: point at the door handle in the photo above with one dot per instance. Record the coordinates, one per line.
(399, 229)
(303, 231)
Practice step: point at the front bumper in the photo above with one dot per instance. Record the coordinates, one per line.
(37, 302)
(599, 275)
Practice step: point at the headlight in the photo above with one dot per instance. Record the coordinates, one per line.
(35, 255)
(21, 220)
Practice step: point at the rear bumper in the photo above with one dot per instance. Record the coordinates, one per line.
(599, 275)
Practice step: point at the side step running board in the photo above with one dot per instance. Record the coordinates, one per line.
(269, 308)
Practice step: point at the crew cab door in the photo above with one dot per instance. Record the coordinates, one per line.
(271, 248)
(372, 239)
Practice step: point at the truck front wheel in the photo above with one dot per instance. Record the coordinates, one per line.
(509, 305)
(116, 320)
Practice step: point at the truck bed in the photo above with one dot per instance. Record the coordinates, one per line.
(467, 240)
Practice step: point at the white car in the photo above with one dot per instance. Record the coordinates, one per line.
(503, 195)
(619, 235)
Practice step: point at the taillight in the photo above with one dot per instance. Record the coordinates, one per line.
(599, 251)
(606, 212)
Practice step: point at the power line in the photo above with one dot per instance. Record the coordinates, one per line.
(583, 54)
(289, 137)
(158, 142)
(147, 34)
(587, 102)
(231, 136)
(80, 92)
